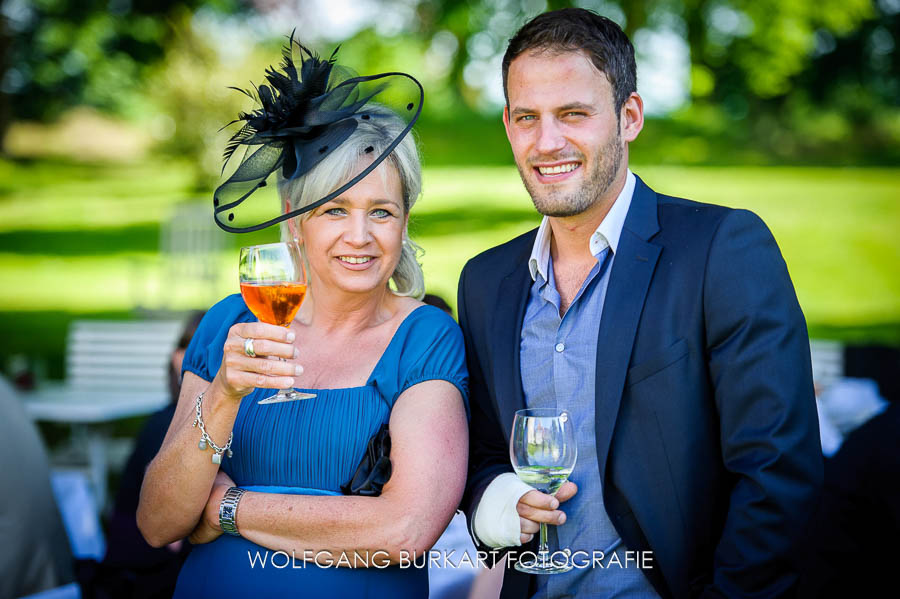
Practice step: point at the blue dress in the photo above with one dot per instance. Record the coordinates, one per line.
(312, 447)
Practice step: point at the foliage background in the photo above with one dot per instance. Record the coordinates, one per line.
(110, 114)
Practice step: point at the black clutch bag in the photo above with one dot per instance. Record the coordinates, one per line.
(375, 468)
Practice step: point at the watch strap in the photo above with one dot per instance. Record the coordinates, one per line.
(228, 511)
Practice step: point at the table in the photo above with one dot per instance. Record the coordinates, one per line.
(86, 413)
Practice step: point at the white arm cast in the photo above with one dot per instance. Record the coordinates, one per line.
(496, 521)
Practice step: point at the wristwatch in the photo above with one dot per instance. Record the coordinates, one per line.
(228, 511)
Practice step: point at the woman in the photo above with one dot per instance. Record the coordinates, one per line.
(371, 354)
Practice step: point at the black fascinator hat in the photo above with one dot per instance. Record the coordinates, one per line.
(304, 114)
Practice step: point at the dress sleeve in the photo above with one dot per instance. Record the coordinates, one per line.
(203, 355)
(431, 348)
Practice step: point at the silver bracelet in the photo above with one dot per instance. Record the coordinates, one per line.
(228, 511)
(206, 440)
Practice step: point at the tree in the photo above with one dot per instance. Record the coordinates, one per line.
(62, 53)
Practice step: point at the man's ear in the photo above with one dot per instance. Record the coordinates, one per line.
(632, 117)
(506, 120)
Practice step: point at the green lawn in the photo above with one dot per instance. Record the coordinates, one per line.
(82, 240)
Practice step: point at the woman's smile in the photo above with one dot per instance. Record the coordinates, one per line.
(356, 262)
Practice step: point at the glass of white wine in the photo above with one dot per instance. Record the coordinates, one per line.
(542, 449)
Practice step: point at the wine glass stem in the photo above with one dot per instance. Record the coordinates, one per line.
(542, 549)
(289, 389)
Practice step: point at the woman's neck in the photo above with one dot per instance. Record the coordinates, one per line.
(332, 310)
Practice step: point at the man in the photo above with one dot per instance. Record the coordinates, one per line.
(668, 329)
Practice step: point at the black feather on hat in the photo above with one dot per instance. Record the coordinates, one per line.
(302, 117)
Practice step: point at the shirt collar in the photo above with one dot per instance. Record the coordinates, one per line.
(606, 235)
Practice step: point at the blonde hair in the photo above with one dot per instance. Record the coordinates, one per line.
(371, 137)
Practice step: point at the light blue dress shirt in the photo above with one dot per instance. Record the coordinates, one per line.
(558, 363)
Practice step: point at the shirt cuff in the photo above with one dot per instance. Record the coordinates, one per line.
(496, 521)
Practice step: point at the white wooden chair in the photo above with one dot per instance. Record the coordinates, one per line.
(69, 591)
(114, 370)
(191, 247)
(827, 361)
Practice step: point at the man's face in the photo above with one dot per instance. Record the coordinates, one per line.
(564, 130)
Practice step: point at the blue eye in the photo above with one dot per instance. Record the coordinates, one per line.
(527, 117)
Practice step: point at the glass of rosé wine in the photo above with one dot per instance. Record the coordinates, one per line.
(273, 285)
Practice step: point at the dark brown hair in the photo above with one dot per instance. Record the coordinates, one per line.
(573, 29)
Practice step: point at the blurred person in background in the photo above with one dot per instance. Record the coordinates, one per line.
(438, 302)
(34, 548)
(131, 567)
(372, 354)
(668, 329)
(852, 547)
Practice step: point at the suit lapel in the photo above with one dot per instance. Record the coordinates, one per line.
(629, 280)
(506, 332)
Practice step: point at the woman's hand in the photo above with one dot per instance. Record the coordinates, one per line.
(239, 374)
(208, 529)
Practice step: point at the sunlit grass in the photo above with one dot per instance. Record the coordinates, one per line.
(50, 195)
(86, 238)
(838, 229)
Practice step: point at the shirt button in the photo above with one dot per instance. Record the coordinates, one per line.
(560, 347)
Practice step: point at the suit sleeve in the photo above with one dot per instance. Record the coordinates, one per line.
(488, 446)
(759, 364)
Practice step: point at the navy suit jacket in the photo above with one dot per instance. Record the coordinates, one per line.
(706, 429)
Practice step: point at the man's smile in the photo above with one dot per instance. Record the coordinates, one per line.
(552, 173)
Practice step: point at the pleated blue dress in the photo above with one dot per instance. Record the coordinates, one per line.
(312, 447)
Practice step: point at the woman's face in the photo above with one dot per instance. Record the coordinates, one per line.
(353, 242)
